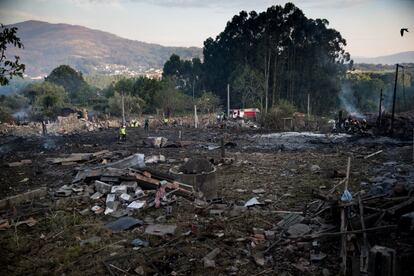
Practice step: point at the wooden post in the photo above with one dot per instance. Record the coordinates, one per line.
(344, 223)
(195, 117)
(123, 108)
(394, 98)
(364, 247)
(223, 150)
(380, 110)
(228, 101)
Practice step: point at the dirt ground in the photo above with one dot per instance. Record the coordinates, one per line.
(52, 246)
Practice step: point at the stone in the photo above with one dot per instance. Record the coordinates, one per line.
(315, 169)
(93, 240)
(259, 191)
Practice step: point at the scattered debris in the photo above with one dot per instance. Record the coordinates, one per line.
(160, 229)
(123, 223)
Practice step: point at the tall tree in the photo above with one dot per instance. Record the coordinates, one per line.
(9, 67)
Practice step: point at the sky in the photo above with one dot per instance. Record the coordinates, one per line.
(371, 27)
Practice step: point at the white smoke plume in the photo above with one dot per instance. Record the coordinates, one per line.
(347, 99)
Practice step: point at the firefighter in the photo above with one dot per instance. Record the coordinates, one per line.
(122, 133)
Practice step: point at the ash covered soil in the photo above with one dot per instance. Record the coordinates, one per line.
(288, 175)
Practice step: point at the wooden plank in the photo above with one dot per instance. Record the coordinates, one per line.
(25, 197)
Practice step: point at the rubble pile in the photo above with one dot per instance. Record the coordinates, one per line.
(62, 125)
(121, 187)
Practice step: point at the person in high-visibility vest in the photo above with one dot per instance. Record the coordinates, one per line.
(122, 133)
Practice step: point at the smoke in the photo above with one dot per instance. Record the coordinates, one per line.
(347, 99)
(22, 114)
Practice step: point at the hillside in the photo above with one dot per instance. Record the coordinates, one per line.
(403, 57)
(48, 45)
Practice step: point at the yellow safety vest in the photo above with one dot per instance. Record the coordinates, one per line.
(122, 131)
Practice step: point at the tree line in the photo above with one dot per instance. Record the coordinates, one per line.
(268, 57)
(66, 88)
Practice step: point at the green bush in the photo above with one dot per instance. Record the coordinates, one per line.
(274, 118)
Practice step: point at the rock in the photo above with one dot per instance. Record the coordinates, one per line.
(93, 240)
(259, 258)
(326, 272)
(259, 191)
(97, 209)
(270, 235)
(139, 270)
(315, 169)
(298, 229)
(139, 243)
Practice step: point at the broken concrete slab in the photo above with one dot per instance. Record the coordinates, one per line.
(298, 230)
(123, 223)
(131, 185)
(110, 201)
(161, 229)
(135, 205)
(96, 196)
(102, 187)
(119, 189)
(125, 197)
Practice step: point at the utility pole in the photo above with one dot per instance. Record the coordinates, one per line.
(308, 105)
(380, 110)
(123, 108)
(195, 117)
(195, 107)
(394, 97)
(228, 101)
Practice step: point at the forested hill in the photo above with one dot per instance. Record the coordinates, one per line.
(48, 45)
(403, 57)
